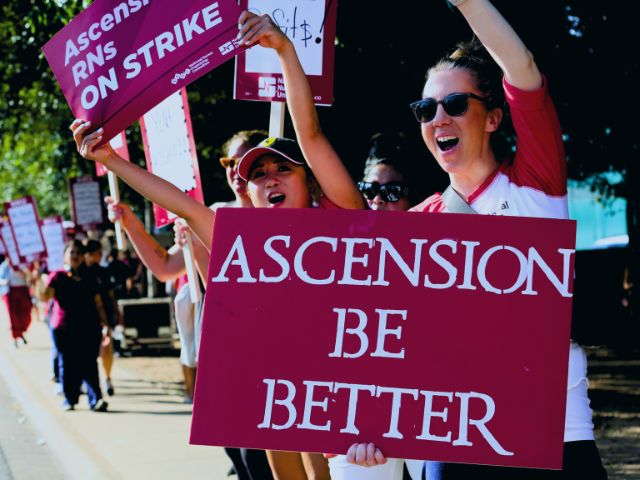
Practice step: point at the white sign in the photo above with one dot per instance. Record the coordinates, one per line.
(311, 27)
(87, 201)
(9, 243)
(26, 228)
(168, 140)
(53, 234)
(301, 21)
(170, 150)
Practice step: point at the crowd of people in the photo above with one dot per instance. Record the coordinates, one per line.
(79, 305)
(463, 105)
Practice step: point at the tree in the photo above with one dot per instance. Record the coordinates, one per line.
(35, 153)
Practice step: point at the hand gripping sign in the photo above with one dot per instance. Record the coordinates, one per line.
(311, 26)
(25, 227)
(116, 60)
(119, 144)
(441, 337)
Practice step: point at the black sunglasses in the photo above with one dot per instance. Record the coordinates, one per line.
(455, 104)
(389, 192)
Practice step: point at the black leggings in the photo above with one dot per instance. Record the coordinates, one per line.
(581, 461)
(250, 464)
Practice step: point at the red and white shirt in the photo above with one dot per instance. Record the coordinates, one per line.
(534, 182)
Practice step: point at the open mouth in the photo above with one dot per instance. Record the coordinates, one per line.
(276, 198)
(447, 143)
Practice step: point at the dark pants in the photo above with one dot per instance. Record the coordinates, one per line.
(55, 364)
(77, 363)
(250, 464)
(581, 461)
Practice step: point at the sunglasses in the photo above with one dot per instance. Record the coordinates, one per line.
(228, 162)
(389, 192)
(455, 104)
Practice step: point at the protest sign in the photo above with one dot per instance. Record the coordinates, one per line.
(170, 150)
(119, 144)
(86, 201)
(25, 226)
(54, 239)
(6, 238)
(422, 333)
(116, 60)
(311, 26)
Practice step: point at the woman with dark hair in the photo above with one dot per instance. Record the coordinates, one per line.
(387, 170)
(77, 318)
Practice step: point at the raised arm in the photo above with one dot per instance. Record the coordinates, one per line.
(165, 265)
(156, 189)
(333, 177)
(502, 42)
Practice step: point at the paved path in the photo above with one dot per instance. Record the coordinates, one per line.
(23, 452)
(144, 434)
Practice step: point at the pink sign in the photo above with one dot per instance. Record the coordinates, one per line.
(116, 60)
(119, 144)
(170, 149)
(86, 201)
(25, 228)
(441, 337)
(311, 26)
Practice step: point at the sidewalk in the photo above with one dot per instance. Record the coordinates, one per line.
(144, 434)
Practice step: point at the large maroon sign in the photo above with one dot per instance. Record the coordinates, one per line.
(116, 60)
(441, 337)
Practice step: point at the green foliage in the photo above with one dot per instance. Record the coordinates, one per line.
(36, 155)
(381, 57)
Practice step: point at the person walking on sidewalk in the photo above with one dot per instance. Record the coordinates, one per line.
(14, 288)
(77, 317)
(100, 276)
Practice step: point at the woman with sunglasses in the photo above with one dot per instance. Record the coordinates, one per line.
(384, 184)
(460, 110)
